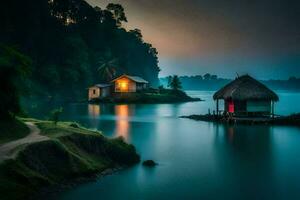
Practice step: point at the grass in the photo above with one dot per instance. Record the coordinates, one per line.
(12, 129)
(72, 152)
(48, 128)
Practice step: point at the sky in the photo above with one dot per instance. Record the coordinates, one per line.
(223, 37)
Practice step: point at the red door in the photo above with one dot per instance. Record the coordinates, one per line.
(230, 106)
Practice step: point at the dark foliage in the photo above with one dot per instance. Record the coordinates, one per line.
(55, 115)
(175, 83)
(213, 82)
(66, 40)
(14, 68)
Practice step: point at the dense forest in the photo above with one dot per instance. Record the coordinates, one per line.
(213, 82)
(71, 45)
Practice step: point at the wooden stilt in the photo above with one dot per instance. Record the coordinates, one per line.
(272, 109)
(217, 107)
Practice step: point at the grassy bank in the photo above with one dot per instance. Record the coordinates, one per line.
(149, 96)
(71, 152)
(12, 129)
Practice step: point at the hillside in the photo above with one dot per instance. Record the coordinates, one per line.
(73, 45)
(71, 152)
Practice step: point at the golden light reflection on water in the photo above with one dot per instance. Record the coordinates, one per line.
(94, 112)
(122, 123)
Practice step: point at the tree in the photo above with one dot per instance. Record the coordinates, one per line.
(137, 33)
(108, 66)
(175, 83)
(14, 69)
(65, 58)
(118, 12)
(214, 77)
(207, 76)
(170, 78)
(55, 114)
(160, 88)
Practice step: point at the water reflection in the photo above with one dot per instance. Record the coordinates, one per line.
(246, 139)
(245, 153)
(197, 160)
(94, 112)
(122, 123)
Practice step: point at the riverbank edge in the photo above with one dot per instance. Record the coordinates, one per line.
(54, 191)
(70, 157)
(116, 102)
(166, 97)
(292, 120)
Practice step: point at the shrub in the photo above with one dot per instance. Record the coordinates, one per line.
(55, 114)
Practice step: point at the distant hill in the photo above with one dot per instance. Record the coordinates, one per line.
(213, 82)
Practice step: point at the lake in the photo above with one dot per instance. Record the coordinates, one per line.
(197, 160)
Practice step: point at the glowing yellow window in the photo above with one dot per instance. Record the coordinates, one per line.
(123, 85)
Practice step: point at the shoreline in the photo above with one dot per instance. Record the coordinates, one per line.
(98, 101)
(51, 192)
(163, 96)
(72, 155)
(291, 120)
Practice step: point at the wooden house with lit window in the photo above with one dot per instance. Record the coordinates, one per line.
(122, 84)
(99, 91)
(126, 83)
(246, 96)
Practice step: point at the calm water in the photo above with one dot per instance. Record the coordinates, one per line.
(196, 159)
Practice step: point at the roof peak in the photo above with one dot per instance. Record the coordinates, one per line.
(137, 79)
(245, 87)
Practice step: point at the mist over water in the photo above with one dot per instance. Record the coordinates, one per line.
(196, 159)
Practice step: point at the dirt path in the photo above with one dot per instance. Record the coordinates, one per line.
(7, 149)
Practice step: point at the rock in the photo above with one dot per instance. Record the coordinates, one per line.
(149, 163)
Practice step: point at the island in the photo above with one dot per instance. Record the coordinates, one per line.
(53, 154)
(135, 89)
(150, 96)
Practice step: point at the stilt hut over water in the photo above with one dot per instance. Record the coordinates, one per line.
(246, 96)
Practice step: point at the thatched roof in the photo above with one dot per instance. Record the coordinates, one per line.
(246, 88)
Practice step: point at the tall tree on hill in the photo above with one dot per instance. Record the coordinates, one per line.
(118, 12)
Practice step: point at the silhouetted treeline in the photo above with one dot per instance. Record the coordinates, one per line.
(66, 41)
(213, 82)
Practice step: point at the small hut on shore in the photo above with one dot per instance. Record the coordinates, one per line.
(246, 96)
(99, 91)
